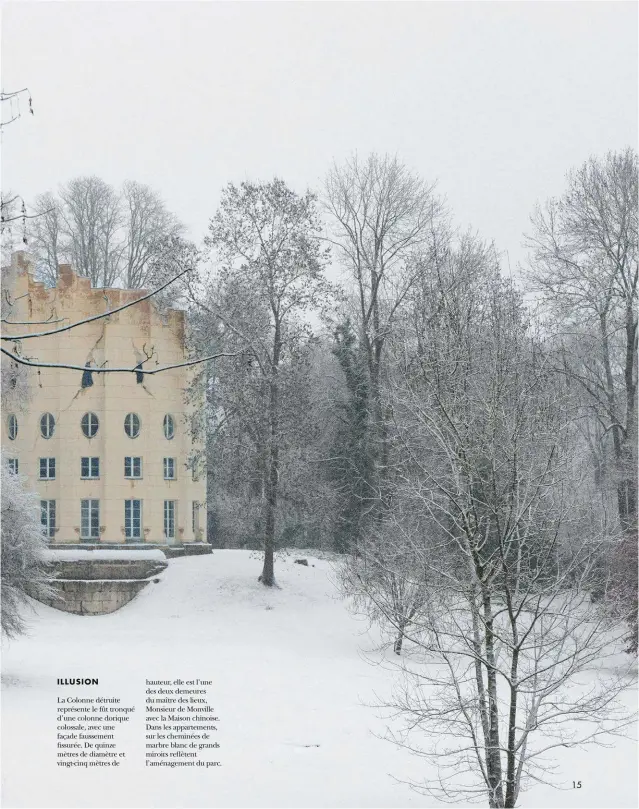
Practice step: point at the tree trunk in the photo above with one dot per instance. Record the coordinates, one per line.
(511, 786)
(267, 576)
(397, 647)
(493, 751)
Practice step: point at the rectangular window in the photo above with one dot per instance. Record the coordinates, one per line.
(133, 519)
(90, 519)
(132, 467)
(47, 517)
(196, 517)
(169, 469)
(169, 519)
(47, 468)
(13, 465)
(89, 468)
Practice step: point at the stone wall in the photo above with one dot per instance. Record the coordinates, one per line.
(100, 586)
(94, 597)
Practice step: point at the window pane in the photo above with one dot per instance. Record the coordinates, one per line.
(89, 424)
(47, 425)
(47, 517)
(90, 468)
(132, 425)
(132, 519)
(169, 518)
(95, 518)
(132, 466)
(90, 519)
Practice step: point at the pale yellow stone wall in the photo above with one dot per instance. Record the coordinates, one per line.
(119, 341)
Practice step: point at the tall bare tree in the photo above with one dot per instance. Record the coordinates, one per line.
(270, 274)
(585, 263)
(92, 217)
(148, 226)
(108, 236)
(381, 215)
(508, 549)
(46, 237)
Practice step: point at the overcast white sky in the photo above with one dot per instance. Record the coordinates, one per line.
(495, 100)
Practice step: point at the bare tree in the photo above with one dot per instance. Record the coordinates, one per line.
(148, 227)
(508, 547)
(92, 217)
(46, 237)
(381, 216)
(13, 224)
(110, 237)
(386, 580)
(270, 275)
(585, 263)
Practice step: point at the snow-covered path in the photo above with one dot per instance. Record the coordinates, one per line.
(289, 668)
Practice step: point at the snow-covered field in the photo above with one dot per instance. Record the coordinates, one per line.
(291, 667)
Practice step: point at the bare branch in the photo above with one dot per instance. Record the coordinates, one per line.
(19, 337)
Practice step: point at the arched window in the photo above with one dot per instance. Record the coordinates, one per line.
(169, 426)
(90, 424)
(132, 425)
(47, 425)
(12, 426)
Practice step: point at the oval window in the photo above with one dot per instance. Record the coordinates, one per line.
(90, 424)
(47, 425)
(12, 426)
(132, 425)
(169, 426)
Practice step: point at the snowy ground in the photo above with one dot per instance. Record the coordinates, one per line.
(290, 668)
